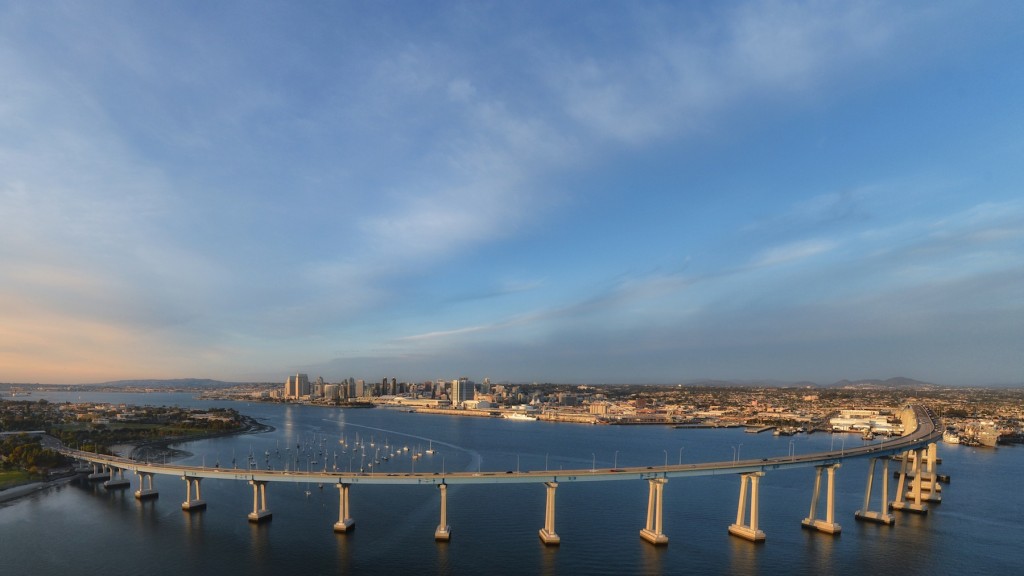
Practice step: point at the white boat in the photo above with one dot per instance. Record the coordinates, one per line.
(518, 416)
(430, 448)
(951, 437)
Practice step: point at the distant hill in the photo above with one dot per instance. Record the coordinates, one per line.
(891, 383)
(898, 382)
(749, 384)
(173, 383)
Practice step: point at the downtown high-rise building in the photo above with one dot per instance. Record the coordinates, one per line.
(296, 387)
(462, 389)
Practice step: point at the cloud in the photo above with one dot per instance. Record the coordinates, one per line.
(690, 70)
(244, 188)
(793, 252)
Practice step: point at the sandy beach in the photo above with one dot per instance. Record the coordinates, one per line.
(23, 490)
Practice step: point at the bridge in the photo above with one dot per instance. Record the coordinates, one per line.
(917, 482)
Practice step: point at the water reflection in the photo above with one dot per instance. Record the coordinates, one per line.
(548, 558)
(344, 554)
(193, 522)
(743, 556)
(259, 542)
(819, 550)
(652, 557)
(442, 558)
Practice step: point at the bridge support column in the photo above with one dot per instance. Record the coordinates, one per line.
(902, 496)
(259, 512)
(750, 530)
(547, 533)
(190, 503)
(930, 477)
(828, 525)
(99, 472)
(443, 533)
(652, 533)
(117, 479)
(146, 489)
(344, 520)
(881, 516)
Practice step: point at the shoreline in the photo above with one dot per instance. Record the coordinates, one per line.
(24, 490)
(161, 447)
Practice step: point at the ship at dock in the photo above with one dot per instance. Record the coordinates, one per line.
(984, 433)
(951, 436)
(518, 416)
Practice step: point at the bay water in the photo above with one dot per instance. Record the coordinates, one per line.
(81, 528)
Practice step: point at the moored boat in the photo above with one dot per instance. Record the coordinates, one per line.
(518, 416)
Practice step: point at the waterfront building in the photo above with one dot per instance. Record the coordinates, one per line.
(463, 389)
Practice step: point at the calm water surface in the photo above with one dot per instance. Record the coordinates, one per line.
(85, 529)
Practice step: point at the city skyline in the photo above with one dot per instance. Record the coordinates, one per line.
(532, 192)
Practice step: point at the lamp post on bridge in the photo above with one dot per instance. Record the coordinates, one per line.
(792, 450)
(615, 461)
(593, 462)
(680, 455)
(666, 458)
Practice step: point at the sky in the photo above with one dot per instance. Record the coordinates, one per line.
(578, 192)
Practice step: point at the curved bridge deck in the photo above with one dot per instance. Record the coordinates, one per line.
(928, 431)
(925, 486)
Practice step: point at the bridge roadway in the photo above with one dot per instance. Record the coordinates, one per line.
(928, 431)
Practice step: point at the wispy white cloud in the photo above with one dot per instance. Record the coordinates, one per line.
(793, 252)
(690, 70)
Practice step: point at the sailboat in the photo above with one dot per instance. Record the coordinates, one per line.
(308, 470)
(430, 449)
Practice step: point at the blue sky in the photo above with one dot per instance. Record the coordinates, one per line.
(564, 192)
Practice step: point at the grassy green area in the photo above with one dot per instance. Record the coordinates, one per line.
(10, 478)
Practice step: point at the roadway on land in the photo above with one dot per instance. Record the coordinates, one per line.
(928, 430)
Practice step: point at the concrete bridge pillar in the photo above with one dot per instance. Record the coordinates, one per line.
(748, 531)
(881, 516)
(344, 520)
(652, 532)
(909, 501)
(259, 512)
(930, 480)
(146, 489)
(547, 533)
(99, 472)
(191, 503)
(443, 533)
(828, 525)
(117, 479)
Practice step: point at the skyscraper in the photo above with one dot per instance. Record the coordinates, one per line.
(462, 390)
